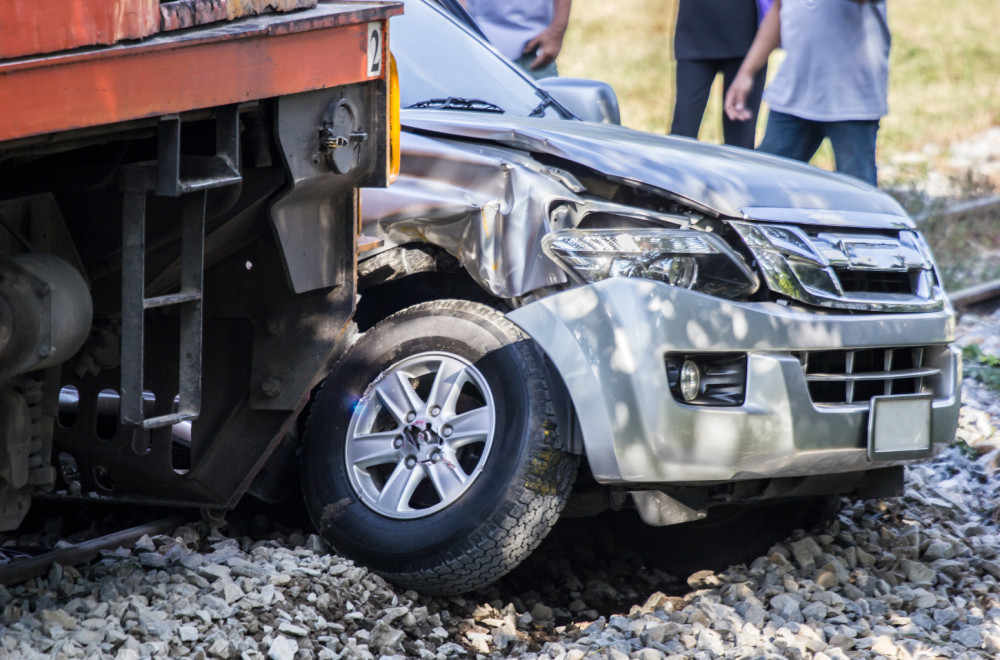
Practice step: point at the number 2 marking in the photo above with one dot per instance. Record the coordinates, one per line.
(374, 49)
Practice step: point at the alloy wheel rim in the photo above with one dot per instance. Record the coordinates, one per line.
(420, 435)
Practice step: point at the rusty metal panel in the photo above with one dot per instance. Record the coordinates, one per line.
(46, 26)
(188, 13)
(178, 14)
(291, 53)
(239, 8)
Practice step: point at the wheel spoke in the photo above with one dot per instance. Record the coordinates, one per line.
(366, 450)
(448, 383)
(396, 393)
(470, 427)
(407, 417)
(448, 478)
(399, 488)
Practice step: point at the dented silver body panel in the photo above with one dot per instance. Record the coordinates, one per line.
(485, 205)
(470, 184)
(724, 179)
(477, 186)
(608, 341)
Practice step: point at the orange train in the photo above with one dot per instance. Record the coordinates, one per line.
(178, 229)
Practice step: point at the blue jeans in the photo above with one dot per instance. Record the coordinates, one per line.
(853, 142)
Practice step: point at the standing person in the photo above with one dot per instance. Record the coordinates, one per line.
(833, 84)
(529, 32)
(712, 37)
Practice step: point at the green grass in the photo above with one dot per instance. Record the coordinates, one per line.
(944, 74)
(984, 367)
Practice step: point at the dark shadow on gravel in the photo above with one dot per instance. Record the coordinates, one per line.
(585, 568)
(606, 564)
(732, 534)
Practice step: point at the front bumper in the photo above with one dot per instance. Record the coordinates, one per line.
(608, 342)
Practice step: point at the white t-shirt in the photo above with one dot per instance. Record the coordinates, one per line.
(837, 61)
(510, 24)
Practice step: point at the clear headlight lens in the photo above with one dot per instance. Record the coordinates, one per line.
(684, 258)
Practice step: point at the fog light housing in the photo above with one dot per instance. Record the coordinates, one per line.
(708, 379)
(690, 383)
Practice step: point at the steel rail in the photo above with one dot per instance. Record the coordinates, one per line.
(975, 294)
(24, 569)
(961, 207)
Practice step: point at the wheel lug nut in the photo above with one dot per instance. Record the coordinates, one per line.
(436, 457)
(410, 462)
(411, 416)
(435, 411)
(446, 431)
(397, 442)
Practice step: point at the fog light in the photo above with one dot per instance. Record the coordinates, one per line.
(690, 381)
(708, 379)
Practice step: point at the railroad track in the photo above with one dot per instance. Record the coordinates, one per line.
(979, 293)
(976, 295)
(17, 570)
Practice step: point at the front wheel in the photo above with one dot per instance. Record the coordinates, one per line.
(431, 452)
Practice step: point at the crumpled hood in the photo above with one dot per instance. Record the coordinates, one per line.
(730, 181)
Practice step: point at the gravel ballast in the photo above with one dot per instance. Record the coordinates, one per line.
(899, 578)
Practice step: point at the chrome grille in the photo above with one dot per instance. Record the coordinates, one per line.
(853, 377)
(874, 272)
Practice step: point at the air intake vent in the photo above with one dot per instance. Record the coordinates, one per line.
(867, 281)
(848, 377)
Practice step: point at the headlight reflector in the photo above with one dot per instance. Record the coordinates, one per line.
(683, 258)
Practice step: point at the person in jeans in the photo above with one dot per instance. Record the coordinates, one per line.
(529, 32)
(712, 37)
(833, 84)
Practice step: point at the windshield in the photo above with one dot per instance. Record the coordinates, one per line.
(443, 65)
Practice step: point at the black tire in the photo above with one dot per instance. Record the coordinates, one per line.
(442, 536)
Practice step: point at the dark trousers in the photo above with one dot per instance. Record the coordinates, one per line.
(694, 83)
(853, 142)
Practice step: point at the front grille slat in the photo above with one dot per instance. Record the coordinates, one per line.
(849, 362)
(874, 375)
(887, 366)
(918, 358)
(853, 377)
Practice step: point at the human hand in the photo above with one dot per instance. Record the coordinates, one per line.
(736, 97)
(545, 46)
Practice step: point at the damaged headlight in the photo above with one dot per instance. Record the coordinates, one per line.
(684, 258)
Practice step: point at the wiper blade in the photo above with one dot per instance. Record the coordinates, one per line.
(456, 103)
(540, 109)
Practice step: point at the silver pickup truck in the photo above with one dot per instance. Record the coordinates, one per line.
(570, 311)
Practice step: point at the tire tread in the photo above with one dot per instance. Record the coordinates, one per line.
(526, 515)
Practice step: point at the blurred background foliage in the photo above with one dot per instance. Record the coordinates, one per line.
(944, 75)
